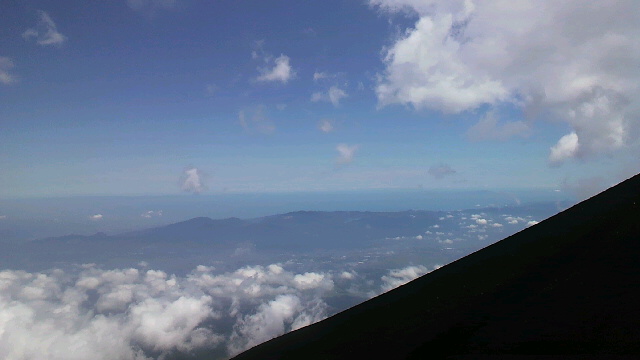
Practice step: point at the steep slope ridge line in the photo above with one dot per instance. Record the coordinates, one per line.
(565, 288)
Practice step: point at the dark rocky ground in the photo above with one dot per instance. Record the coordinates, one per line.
(567, 288)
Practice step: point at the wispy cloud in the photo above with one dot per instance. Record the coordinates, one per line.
(45, 33)
(96, 217)
(325, 125)
(333, 95)
(346, 153)
(6, 64)
(255, 121)
(440, 171)
(488, 128)
(319, 75)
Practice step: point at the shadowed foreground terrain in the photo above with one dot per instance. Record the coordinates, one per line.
(567, 288)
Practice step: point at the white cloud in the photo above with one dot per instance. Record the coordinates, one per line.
(45, 32)
(319, 75)
(312, 280)
(272, 319)
(531, 223)
(346, 153)
(135, 315)
(6, 64)
(325, 125)
(536, 55)
(566, 148)
(481, 221)
(162, 325)
(398, 277)
(333, 95)
(440, 171)
(192, 181)
(96, 217)
(150, 213)
(348, 275)
(280, 71)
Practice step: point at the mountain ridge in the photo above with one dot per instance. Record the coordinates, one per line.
(566, 287)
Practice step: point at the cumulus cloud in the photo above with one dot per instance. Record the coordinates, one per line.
(531, 223)
(566, 148)
(538, 56)
(325, 125)
(348, 275)
(513, 220)
(279, 70)
(134, 314)
(346, 153)
(6, 64)
(440, 171)
(192, 180)
(398, 277)
(45, 33)
(333, 95)
(96, 217)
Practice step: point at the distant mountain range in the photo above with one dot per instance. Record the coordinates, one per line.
(301, 231)
(566, 288)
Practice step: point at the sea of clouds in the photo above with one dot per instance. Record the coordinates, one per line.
(140, 313)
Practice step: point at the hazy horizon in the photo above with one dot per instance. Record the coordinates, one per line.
(472, 111)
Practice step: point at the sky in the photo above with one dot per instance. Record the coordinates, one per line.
(162, 97)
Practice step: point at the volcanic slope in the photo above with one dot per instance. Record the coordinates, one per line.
(566, 288)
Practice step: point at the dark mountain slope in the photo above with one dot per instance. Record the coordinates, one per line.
(566, 288)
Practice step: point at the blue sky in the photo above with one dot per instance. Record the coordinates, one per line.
(172, 96)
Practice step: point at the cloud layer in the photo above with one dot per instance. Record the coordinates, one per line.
(136, 314)
(566, 61)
